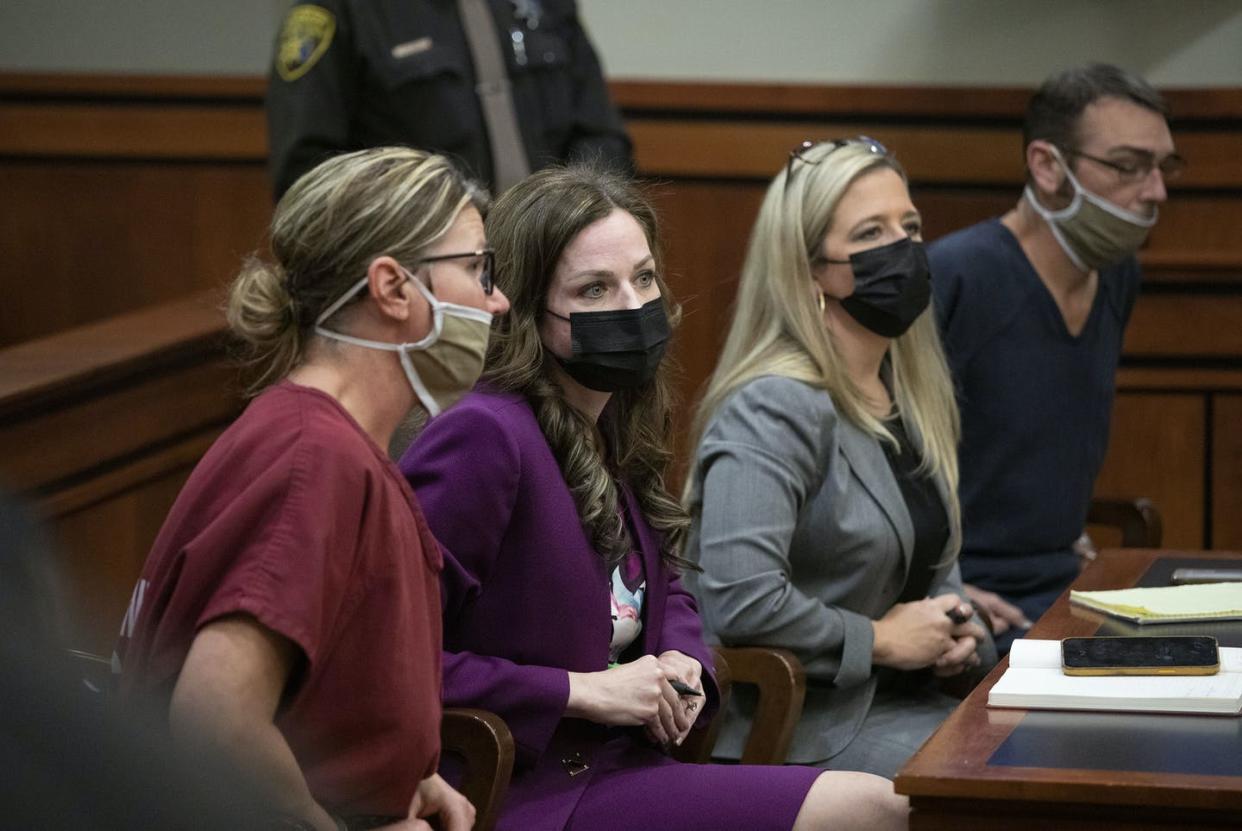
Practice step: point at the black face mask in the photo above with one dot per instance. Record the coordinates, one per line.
(892, 287)
(616, 350)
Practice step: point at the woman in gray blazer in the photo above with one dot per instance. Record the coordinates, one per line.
(823, 491)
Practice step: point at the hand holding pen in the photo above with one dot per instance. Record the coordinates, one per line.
(925, 633)
(662, 693)
(682, 688)
(683, 675)
(962, 654)
(961, 613)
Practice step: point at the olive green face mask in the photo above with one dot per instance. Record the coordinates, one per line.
(441, 367)
(1093, 232)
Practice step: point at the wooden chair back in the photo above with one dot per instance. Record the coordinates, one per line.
(697, 748)
(483, 741)
(1137, 519)
(782, 689)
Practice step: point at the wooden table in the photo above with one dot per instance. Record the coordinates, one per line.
(1132, 768)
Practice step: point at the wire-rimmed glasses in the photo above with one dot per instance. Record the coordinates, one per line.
(1136, 167)
(486, 276)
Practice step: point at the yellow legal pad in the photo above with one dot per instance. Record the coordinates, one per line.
(1167, 604)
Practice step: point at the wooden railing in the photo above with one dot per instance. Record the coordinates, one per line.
(99, 427)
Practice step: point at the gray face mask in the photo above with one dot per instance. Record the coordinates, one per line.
(1093, 232)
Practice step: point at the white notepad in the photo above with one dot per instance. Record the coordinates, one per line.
(1034, 681)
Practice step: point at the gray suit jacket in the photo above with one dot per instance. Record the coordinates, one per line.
(804, 539)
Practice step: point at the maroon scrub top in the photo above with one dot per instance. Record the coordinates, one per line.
(297, 519)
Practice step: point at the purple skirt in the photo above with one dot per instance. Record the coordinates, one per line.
(637, 788)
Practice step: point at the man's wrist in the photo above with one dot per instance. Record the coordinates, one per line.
(1085, 548)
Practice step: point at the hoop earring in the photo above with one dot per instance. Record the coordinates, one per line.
(823, 304)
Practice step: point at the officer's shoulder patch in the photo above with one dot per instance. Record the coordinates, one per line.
(304, 37)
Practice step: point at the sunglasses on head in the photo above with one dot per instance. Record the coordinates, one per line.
(799, 152)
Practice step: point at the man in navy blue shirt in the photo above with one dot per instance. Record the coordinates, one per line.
(1032, 307)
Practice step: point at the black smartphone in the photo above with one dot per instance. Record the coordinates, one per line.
(1142, 655)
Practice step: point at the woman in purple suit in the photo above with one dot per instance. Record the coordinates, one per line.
(563, 611)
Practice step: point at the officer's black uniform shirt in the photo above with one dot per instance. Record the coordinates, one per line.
(350, 74)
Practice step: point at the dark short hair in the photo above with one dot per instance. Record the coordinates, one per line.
(1056, 108)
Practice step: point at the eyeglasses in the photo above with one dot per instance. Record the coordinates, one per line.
(799, 152)
(489, 265)
(1136, 168)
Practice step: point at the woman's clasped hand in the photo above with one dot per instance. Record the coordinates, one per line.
(638, 693)
(923, 633)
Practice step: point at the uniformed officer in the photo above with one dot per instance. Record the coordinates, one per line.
(350, 74)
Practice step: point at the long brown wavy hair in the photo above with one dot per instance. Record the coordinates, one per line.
(530, 226)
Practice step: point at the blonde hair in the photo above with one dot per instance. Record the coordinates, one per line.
(778, 328)
(530, 227)
(325, 232)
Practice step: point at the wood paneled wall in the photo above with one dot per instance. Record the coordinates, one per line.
(122, 192)
(1177, 425)
(99, 427)
(119, 193)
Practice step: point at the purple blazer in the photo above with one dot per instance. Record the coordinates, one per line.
(525, 596)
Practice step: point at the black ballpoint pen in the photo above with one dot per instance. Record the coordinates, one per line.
(681, 688)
